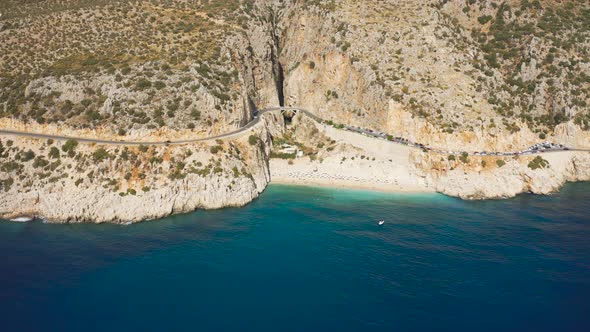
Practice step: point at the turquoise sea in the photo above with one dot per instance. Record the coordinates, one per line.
(310, 259)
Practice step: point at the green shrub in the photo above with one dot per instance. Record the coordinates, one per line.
(53, 153)
(40, 162)
(27, 156)
(100, 155)
(159, 85)
(464, 157)
(216, 148)
(70, 146)
(176, 175)
(283, 155)
(6, 184)
(143, 84)
(253, 139)
(195, 114)
(484, 19)
(537, 163)
(10, 166)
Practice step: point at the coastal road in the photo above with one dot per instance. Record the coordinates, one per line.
(230, 134)
(254, 122)
(236, 132)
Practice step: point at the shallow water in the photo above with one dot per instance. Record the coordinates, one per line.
(306, 259)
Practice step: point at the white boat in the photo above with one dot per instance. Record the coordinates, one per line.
(381, 222)
(21, 219)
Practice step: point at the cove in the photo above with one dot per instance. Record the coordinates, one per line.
(314, 259)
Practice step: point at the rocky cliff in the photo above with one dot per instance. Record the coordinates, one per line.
(342, 158)
(432, 72)
(454, 75)
(72, 182)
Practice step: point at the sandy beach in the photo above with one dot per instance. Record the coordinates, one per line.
(345, 184)
(358, 162)
(341, 171)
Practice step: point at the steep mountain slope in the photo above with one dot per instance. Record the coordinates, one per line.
(125, 67)
(481, 74)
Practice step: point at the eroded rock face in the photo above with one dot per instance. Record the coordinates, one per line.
(491, 177)
(359, 161)
(72, 204)
(131, 184)
(428, 72)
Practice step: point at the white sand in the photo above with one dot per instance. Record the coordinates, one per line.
(385, 166)
(377, 175)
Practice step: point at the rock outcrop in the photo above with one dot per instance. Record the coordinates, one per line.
(353, 160)
(122, 185)
(491, 177)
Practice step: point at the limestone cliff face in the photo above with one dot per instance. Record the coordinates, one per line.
(121, 185)
(320, 77)
(67, 203)
(418, 70)
(485, 178)
(403, 123)
(361, 161)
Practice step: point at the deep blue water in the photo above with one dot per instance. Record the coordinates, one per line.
(310, 259)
